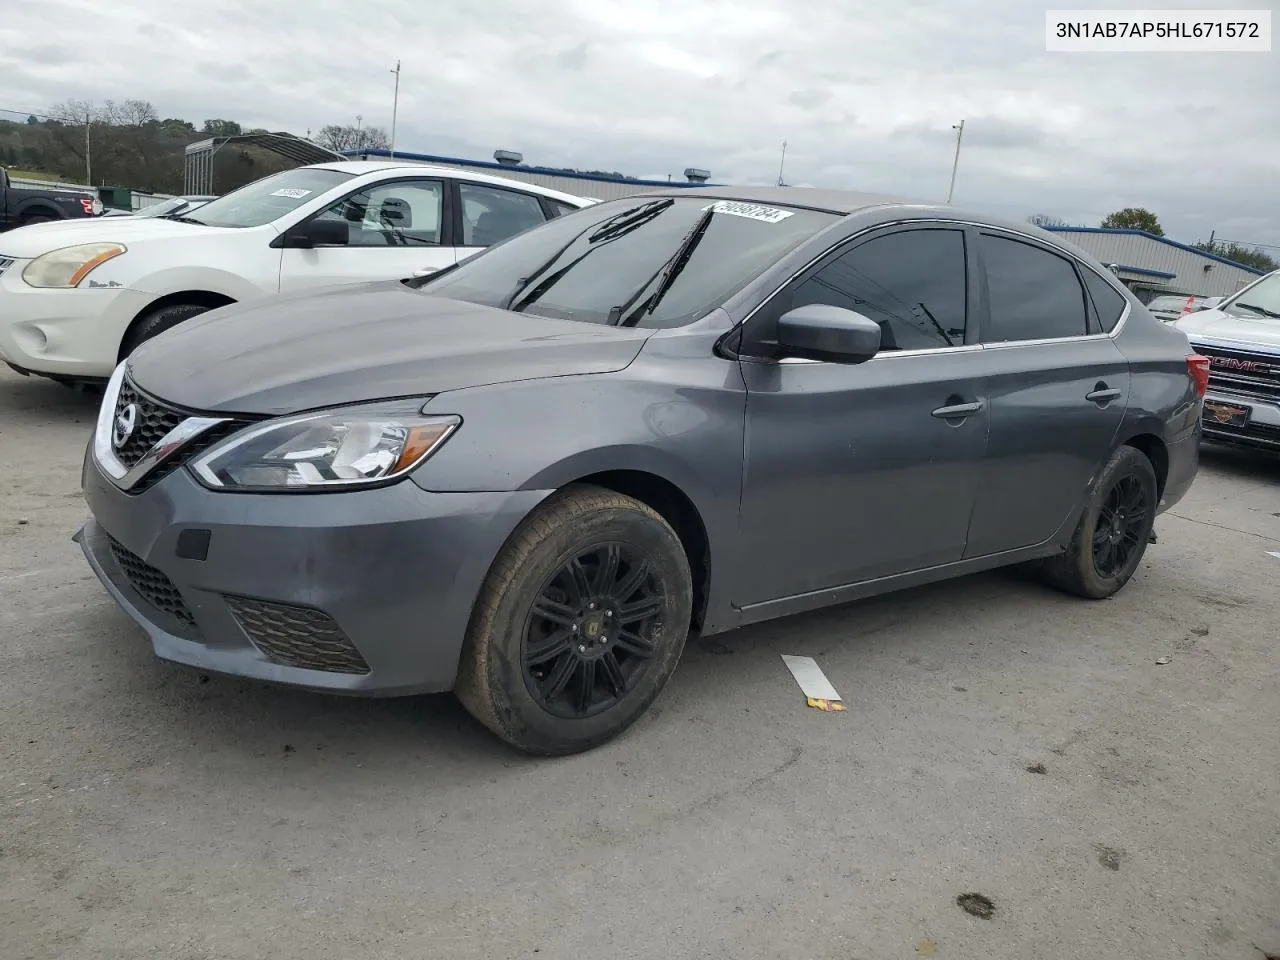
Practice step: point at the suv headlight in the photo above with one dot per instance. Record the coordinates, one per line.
(335, 449)
(66, 267)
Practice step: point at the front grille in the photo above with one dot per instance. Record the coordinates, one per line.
(297, 636)
(152, 421)
(150, 584)
(1243, 371)
(5, 264)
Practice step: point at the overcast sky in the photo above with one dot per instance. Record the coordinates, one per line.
(865, 92)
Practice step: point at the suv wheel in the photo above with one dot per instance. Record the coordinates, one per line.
(580, 623)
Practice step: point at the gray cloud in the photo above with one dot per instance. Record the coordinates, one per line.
(864, 94)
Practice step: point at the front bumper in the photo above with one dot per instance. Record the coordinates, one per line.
(362, 592)
(64, 333)
(1262, 429)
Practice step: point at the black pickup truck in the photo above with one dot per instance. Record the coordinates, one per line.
(20, 206)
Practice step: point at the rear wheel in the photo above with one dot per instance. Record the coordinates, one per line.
(579, 625)
(1113, 532)
(156, 323)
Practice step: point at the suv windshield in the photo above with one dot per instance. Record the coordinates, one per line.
(1260, 300)
(269, 198)
(643, 261)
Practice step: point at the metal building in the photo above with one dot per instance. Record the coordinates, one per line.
(1151, 266)
(508, 164)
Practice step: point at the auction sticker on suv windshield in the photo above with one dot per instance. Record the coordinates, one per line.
(752, 211)
(293, 193)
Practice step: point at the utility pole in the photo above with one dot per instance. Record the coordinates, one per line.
(956, 163)
(782, 163)
(88, 169)
(395, 106)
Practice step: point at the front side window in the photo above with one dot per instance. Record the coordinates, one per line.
(912, 283)
(270, 198)
(491, 214)
(1033, 294)
(643, 261)
(401, 214)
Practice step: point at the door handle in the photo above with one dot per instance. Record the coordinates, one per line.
(1103, 394)
(958, 411)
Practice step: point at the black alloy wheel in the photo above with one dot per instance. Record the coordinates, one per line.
(588, 640)
(1122, 526)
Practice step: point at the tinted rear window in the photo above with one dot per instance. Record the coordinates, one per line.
(1034, 294)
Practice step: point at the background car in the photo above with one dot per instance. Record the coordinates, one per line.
(1241, 338)
(75, 301)
(528, 477)
(1171, 307)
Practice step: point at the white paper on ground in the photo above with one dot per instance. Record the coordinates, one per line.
(813, 682)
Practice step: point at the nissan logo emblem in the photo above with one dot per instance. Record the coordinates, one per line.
(122, 429)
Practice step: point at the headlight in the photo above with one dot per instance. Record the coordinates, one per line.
(68, 266)
(337, 449)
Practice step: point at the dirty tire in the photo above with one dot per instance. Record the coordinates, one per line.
(157, 322)
(1127, 472)
(496, 683)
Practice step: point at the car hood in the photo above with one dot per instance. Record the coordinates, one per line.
(28, 242)
(353, 344)
(1263, 332)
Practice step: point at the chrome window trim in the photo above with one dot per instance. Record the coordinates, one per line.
(126, 478)
(1107, 334)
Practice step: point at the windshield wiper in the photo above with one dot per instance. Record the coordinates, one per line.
(666, 275)
(1263, 311)
(181, 219)
(612, 229)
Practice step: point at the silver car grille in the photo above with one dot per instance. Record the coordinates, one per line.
(5, 264)
(1242, 371)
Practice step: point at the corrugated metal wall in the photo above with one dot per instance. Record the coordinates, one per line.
(1188, 266)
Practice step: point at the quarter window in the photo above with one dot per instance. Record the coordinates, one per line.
(491, 214)
(1034, 294)
(911, 282)
(403, 214)
(1107, 300)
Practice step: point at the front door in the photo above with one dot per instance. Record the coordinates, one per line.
(856, 472)
(1058, 393)
(394, 229)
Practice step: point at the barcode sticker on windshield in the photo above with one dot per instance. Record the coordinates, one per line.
(752, 211)
(293, 193)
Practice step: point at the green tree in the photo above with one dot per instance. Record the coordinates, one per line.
(1249, 256)
(221, 128)
(1134, 218)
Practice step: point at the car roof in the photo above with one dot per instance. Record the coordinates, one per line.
(363, 167)
(841, 202)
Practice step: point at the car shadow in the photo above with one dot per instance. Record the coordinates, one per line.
(34, 394)
(1244, 463)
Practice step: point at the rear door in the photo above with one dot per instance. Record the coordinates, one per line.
(854, 472)
(1057, 388)
(394, 229)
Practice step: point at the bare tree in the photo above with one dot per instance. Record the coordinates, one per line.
(1046, 220)
(340, 138)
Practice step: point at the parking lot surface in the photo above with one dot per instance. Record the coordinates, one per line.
(1001, 739)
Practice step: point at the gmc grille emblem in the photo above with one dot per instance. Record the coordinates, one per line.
(1232, 363)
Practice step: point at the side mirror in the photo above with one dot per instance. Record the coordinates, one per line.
(834, 334)
(317, 233)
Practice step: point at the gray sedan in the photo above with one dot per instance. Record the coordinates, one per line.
(529, 477)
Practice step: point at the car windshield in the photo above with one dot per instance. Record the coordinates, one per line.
(269, 198)
(164, 207)
(1260, 300)
(643, 261)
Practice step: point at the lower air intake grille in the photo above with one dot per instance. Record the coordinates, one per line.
(297, 636)
(152, 585)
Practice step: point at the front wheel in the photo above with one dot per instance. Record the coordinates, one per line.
(156, 323)
(579, 624)
(1113, 532)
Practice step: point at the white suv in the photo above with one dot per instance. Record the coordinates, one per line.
(76, 300)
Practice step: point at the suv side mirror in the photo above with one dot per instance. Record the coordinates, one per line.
(316, 233)
(822, 332)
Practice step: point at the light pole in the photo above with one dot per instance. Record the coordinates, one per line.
(959, 129)
(395, 106)
(782, 163)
